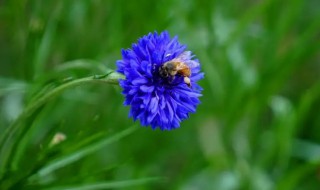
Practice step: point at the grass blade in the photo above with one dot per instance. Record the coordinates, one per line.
(109, 185)
(77, 155)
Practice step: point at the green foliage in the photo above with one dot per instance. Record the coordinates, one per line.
(257, 127)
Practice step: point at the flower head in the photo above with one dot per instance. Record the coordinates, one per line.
(161, 81)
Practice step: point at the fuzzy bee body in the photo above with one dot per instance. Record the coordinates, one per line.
(179, 66)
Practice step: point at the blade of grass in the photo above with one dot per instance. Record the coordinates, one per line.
(46, 43)
(77, 155)
(109, 185)
(8, 85)
(294, 177)
(7, 149)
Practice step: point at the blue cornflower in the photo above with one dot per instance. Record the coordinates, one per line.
(158, 93)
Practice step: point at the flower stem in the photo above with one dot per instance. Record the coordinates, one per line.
(110, 78)
(7, 148)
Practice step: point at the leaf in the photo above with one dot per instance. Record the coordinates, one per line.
(77, 155)
(295, 177)
(108, 185)
(8, 85)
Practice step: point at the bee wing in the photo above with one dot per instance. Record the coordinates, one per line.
(186, 57)
(192, 63)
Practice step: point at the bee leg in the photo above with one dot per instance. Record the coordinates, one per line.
(187, 81)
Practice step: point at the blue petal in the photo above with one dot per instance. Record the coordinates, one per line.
(153, 106)
(145, 88)
(139, 81)
(169, 111)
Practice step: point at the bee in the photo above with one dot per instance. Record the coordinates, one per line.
(180, 66)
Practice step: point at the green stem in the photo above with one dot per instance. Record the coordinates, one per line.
(110, 78)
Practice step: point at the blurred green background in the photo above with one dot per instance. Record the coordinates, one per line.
(258, 126)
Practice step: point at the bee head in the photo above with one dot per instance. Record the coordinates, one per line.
(169, 66)
(163, 72)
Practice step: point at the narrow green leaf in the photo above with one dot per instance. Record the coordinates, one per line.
(109, 185)
(110, 78)
(8, 85)
(295, 177)
(77, 155)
